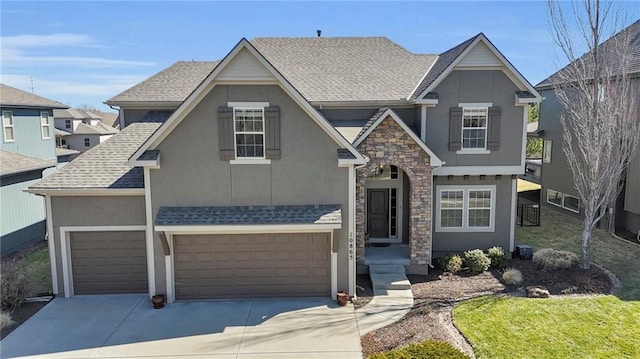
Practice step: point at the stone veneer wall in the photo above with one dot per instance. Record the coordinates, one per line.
(389, 144)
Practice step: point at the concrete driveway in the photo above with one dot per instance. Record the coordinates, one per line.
(126, 326)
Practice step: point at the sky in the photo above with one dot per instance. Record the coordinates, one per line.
(83, 53)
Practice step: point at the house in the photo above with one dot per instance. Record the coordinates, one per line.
(27, 151)
(78, 130)
(556, 179)
(267, 173)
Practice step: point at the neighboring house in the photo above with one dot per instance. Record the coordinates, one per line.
(558, 190)
(78, 130)
(27, 150)
(266, 174)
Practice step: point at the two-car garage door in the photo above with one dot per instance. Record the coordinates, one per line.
(252, 265)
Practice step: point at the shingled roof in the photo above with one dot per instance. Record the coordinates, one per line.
(633, 31)
(12, 97)
(172, 84)
(105, 165)
(444, 60)
(12, 163)
(346, 68)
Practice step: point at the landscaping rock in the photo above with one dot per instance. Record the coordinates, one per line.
(537, 292)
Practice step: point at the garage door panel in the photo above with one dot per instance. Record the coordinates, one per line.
(252, 265)
(108, 262)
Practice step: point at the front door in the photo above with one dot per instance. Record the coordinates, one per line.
(378, 213)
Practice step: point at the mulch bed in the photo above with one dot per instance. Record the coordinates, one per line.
(436, 293)
(21, 315)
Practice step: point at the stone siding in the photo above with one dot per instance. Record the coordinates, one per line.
(389, 144)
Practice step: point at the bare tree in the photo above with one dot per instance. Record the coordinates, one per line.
(601, 129)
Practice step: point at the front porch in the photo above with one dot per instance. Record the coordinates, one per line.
(393, 254)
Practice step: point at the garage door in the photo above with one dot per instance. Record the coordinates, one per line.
(252, 265)
(109, 262)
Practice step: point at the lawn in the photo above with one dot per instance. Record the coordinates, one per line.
(38, 266)
(592, 327)
(510, 327)
(559, 231)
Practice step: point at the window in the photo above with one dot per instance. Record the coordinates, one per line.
(474, 128)
(87, 142)
(45, 126)
(67, 123)
(7, 126)
(249, 132)
(385, 172)
(571, 203)
(546, 151)
(554, 197)
(465, 209)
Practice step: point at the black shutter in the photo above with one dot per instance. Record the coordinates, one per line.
(455, 128)
(493, 122)
(272, 132)
(225, 133)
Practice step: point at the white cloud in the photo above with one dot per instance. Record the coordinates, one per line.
(16, 52)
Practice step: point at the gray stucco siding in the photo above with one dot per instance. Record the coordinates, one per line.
(359, 116)
(93, 211)
(477, 86)
(449, 242)
(192, 174)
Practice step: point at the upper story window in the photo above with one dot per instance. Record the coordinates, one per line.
(249, 132)
(67, 123)
(474, 128)
(465, 209)
(546, 151)
(45, 125)
(7, 126)
(87, 142)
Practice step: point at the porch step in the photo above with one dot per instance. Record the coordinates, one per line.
(388, 277)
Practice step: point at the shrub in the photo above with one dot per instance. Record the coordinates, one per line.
(5, 319)
(551, 259)
(512, 276)
(476, 261)
(428, 349)
(14, 285)
(453, 263)
(497, 256)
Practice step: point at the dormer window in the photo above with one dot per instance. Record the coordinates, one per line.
(474, 128)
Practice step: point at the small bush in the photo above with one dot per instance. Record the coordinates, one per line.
(428, 349)
(498, 258)
(476, 261)
(512, 276)
(5, 319)
(453, 263)
(14, 285)
(551, 259)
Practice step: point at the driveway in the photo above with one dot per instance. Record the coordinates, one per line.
(126, 326)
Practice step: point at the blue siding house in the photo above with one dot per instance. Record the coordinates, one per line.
(27, 154)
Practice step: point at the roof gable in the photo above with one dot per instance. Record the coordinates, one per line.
(380, 116)
(229, 67)
(475, 52)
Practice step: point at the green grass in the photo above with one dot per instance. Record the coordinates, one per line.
(559, 231)
(39, 268)
(509, 327)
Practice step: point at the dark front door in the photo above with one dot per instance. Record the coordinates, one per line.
(378, 213)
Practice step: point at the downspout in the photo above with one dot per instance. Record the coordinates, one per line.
(120, 119)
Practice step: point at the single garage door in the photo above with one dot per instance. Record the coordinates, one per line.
(109, 262)
(252, 265)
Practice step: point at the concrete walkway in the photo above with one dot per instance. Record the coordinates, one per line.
(126, 326)
(392, 298)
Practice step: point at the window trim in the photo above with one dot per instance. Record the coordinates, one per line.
(5, 126)
(465, 208)
(553, 203)
(475, 150)
(256, 159)
(43, 115)
(564, 195)
(546, 154)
